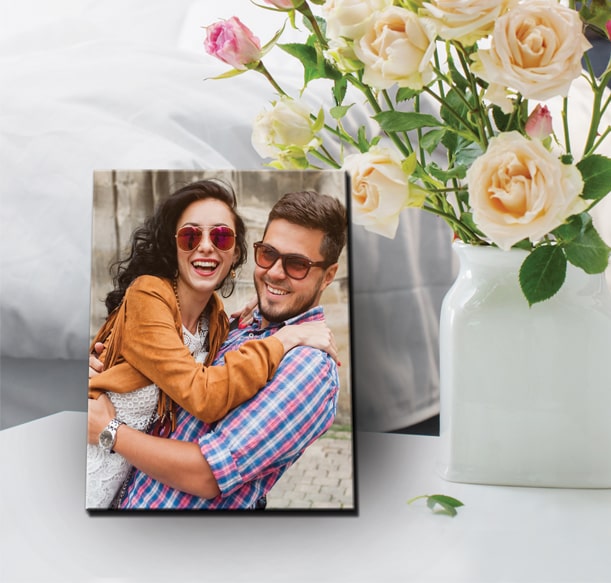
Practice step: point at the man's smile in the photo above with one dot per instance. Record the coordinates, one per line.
(275, 290)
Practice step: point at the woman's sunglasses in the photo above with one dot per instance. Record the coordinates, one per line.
(189, 237)
(295, 266)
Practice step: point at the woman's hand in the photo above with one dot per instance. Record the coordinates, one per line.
(314, 334)
(96, 366)
(245, 315)
(99, 413)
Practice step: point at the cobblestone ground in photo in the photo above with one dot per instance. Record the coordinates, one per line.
(322, 478)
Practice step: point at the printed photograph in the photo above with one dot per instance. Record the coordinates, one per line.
(220, 342)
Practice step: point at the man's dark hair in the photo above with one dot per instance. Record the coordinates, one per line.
(315, 211)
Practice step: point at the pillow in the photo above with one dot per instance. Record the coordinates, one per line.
(94, 105)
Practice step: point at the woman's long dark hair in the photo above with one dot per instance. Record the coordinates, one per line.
(153, 245)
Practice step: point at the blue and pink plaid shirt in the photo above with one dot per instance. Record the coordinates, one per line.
(256, 442)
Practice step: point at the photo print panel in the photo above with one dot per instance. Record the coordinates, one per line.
(221, 343)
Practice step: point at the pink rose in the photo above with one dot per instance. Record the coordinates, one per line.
(233, 43)
(539, 122)
(608, 28)
(281, 4)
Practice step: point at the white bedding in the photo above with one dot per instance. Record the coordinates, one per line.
(90, 85)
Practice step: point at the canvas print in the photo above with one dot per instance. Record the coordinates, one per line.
(220, 361)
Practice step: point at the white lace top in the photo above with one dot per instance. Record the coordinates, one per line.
(107, 471)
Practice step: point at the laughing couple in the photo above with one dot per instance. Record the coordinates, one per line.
(184, 412)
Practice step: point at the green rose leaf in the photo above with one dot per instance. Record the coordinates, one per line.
(314, 67)
(431, 139)
(409, 164)
(467, 219)
(339, 111)
(405, 94)
(447, 504)
(596, 13)
(588, 251)
(542, 273)
(405, 121)
(506, 122)
(596, 173)
(457, 114)
(340, 87)
(445, 175)
(457, 78)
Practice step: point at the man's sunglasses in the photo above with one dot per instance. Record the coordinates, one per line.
(295, 266)
(189, 237)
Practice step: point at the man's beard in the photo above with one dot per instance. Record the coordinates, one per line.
(297, 306)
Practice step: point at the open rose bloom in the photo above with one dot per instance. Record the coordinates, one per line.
(466, 22)
(396, 48)
(535, 50)
(518, 190)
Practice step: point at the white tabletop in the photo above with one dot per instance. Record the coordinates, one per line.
(501, 534)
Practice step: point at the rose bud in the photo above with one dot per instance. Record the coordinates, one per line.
(281, 4)
(233, 43)
(539, 122)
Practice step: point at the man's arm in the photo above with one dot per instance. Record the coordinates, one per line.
(178, 464)
(275, 427)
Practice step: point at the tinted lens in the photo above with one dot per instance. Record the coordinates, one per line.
(265, 256)
(296, 267)
(222, 238)
(188, 238)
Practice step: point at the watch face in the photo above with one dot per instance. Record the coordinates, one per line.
(106, 439)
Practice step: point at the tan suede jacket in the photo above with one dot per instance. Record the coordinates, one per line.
(143, 344)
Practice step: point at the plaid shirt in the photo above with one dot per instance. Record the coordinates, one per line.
(251, 447)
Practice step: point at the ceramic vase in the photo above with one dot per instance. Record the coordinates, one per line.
(525, 391)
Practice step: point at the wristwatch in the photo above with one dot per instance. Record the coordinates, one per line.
(109, 435)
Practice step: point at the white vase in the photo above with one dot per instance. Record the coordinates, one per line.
(525, 391)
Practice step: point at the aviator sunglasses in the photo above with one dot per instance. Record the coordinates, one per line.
(189, 237)
(295, 266)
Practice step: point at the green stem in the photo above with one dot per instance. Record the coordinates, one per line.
(469, 135)
(419, 132)
(366, 91)
(260, 68)
(597, 111)
(483, 123)
(341, 134)
(305, 9)
(391, 107)
(565, 125)
(326, 159)
(464, 232)
(601, 139)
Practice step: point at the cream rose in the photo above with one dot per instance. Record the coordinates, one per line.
(286, 133)
(518, 189)
(466, 20)
(397, 47)
(346, 21)
(536, 49)
(348, 18)
(380, 190)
